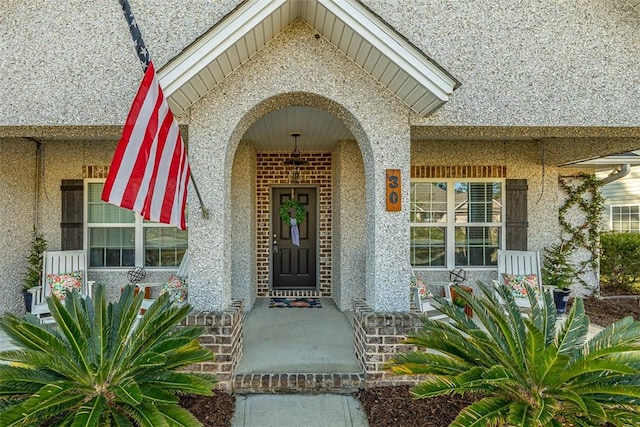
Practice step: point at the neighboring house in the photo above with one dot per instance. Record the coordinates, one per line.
(622, 196)
(477, 104)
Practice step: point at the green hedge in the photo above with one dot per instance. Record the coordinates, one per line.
(620, 261)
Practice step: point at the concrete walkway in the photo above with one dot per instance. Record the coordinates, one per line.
(296, 410)
(298, 340)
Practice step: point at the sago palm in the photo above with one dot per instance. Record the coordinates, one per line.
(523, 370)
(101, 365)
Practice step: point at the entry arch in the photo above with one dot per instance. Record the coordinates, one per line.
(243, 241)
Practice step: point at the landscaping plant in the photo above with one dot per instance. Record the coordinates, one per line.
(524, 371)
(619, 266)
(558, 270)
(33, 274)
(101, 365)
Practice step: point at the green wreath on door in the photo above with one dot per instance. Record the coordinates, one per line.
(301, 213)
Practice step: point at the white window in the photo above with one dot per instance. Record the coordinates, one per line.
(625, 218)
(117, 237)
(456, 223)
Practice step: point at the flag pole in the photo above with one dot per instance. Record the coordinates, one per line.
(145, 58)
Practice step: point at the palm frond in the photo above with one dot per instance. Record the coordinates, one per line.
(88, 414)
(67, 321)
(47, 402)
(573, 333)
(183, 382)
(177, 416)
(148, 415)
(489, 411)
(427, 363)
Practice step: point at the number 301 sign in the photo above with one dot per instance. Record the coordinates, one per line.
(394, 189)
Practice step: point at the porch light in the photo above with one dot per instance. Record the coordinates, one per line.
(295, 160)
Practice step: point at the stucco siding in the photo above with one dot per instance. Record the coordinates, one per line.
(17, 183)
(73, 62)
(549, 62)
(349, 247)
(244, 244)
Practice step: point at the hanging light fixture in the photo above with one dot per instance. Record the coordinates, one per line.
(294, 159)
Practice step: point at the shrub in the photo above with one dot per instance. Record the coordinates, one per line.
(525, 372)
(619, 265)
(33, 274)
(558, 269)
(101, 365)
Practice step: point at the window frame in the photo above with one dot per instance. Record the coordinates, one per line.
(450, 225)
(139, 226)
(627, 205)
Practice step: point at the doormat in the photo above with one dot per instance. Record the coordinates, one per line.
(295, 303)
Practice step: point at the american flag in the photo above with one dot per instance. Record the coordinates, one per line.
(149, 172)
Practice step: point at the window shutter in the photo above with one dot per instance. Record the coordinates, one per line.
(516, 216)
(72, 204)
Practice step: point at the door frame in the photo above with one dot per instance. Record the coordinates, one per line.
(317, 242)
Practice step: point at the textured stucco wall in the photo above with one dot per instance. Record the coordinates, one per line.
(17, 182)
(243, 223)
(548, 62)
(297, 68)
(349, 247)
(73, 62)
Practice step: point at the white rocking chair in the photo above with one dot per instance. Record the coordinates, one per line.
(182, 273)
(516, 266)
(69, 267)
(424, 304)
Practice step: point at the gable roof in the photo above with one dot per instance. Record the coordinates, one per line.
(360, 34)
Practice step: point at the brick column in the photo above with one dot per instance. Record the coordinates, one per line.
(379, 336)
(223, 335)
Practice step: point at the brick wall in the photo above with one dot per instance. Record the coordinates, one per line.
(272, 171)
(223, 335)
(379, 336)
(459, 171)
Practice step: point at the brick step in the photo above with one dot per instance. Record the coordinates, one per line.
(340, 383)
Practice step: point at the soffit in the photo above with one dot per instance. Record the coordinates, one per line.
(362, 36)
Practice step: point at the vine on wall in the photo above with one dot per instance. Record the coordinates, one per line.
(583, 194)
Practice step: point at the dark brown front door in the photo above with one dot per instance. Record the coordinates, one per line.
(294, 267)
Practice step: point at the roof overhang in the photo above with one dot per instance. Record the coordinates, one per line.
(362, 36)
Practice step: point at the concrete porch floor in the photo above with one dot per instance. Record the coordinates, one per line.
(298, 340)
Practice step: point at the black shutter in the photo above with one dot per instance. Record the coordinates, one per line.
(72, 204)
(516, 217)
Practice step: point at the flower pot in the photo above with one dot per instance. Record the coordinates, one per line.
(560, 298)
(28, 297)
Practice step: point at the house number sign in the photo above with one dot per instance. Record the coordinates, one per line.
(394, 189)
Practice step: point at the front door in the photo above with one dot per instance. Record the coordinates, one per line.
(293, 266)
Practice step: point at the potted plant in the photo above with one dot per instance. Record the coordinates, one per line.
(33, 275)
(459, 303)
(559, 272)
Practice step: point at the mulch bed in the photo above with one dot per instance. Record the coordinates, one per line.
(604, 312)
(394, 406)
(212, 411)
